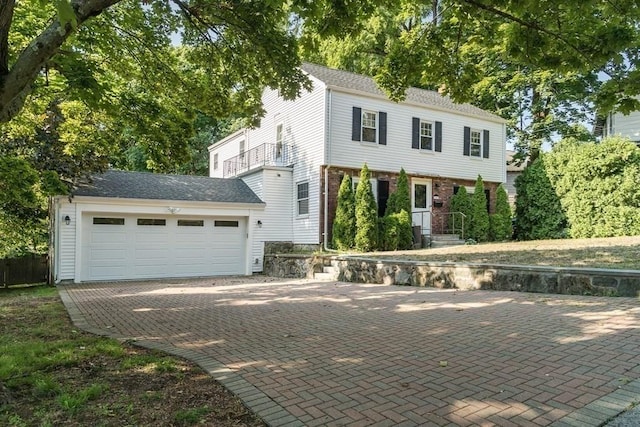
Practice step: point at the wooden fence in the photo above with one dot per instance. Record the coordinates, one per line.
(24, 270)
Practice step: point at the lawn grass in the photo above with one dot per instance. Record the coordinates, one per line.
(614, 253)
(53, 374)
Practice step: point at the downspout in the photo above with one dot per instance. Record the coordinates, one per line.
(325, 233)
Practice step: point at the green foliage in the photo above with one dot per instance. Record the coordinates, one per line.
(366, 214)
(191, 416)
(500, 221)
(460, 202)
(478, 220)
(396, 231)
(511, 58)
(401, 198)
(539, 214)
(598, 186)
(344, 224)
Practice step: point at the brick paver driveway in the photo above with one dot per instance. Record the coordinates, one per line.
(308, 353)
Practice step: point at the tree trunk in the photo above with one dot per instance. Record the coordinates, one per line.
(15, 83)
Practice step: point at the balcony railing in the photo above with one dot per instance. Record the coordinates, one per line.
(262, 155)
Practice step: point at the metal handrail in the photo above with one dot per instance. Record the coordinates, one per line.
(262, 155)
(450, 222)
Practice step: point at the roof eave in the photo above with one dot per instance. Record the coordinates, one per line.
(134, 201)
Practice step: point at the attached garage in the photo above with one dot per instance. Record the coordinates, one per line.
(196, 226)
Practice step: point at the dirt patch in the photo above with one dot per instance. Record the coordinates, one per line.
(53, 374)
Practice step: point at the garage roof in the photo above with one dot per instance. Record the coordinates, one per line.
(145, 185)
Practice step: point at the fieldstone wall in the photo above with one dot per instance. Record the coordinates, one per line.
(292, 265)
(554, 280)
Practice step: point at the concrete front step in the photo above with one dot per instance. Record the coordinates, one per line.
(445, 237)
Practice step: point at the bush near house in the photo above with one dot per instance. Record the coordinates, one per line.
(396, 231)
(478, 228)
(500, 222)
(539, 214)
(461, 202)
(597, 184)
(366, 238)
(344, 224)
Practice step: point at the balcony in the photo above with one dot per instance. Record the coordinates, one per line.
(262, 155)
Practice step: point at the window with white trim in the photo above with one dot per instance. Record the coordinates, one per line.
(475, 143)
(215, 161)
(426, 135)
(279, 140)
(369, 126)
(303, 198)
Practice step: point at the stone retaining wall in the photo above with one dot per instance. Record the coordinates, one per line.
(557, 280)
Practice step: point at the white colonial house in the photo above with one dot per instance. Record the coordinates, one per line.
(277, 182)
(296, 158)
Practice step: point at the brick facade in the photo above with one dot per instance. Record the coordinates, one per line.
(442, 187)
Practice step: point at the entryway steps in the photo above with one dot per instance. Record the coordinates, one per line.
(445, 240)
(329, 274)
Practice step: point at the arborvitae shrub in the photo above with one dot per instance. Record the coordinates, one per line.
(344, 224)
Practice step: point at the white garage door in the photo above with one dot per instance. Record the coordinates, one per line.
(142, 246)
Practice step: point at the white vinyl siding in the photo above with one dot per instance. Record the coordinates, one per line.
(398, 153)
(65, 253)
(273, 186)
(303, 129)
(626, 126)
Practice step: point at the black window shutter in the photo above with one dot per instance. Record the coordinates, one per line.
(382, 118)
(485, 144)
(356, 124)
(438, 136)
(467, 141)
(415, 133)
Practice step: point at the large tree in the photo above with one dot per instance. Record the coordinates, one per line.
(540, 64)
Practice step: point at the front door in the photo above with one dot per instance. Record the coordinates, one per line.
(421, 204)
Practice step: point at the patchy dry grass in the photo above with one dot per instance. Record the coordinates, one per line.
(52, 374)
(615, 252)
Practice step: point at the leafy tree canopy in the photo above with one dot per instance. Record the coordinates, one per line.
(539, 64)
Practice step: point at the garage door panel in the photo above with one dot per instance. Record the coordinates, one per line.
(134, 251)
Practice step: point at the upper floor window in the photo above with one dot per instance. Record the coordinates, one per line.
(476, 142)
(279, 140)
(215, 161)
(426, 135)
(369, 127)
(303, 198)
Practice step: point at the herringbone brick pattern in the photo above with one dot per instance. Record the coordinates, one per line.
(360, 355)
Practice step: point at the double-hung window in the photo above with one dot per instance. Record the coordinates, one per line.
(303, 198)
(369, 126)
(426, 135)
(242, 154)
(215, 161)
(475, 143)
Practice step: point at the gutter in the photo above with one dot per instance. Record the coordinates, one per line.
(326, 174)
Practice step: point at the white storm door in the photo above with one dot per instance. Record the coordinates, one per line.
(421, 204)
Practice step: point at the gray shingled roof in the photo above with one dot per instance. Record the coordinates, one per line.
(143, 185)
(358, 82)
